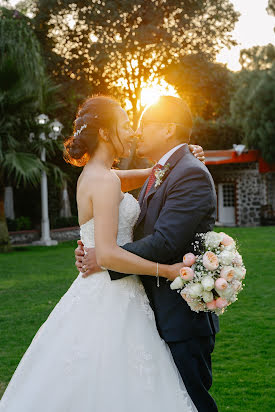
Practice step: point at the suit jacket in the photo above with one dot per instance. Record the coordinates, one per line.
(171, 215)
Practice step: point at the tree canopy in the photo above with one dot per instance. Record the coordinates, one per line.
(258, 57)
(271, 7)
(21, 68)
(122, 45)
(206, 86)
(21, 75)
(219, 134)
(253, 108)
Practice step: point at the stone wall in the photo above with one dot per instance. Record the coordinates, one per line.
(270, 182)
(62, 235)
(25, 237)
(251, 190)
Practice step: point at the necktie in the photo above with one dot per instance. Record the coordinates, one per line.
(152, 177)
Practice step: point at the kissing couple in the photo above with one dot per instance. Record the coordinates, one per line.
(120, 339)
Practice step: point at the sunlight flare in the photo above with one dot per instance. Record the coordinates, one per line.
(93, 38)
(151, 93)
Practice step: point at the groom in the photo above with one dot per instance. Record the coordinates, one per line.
(175, 205)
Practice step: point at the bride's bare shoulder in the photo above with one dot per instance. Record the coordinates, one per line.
(94, 178)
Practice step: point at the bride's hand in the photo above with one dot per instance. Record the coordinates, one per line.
(198, 152)
(174, 271)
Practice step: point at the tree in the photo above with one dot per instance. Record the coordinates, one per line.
(21, 69)
(25, 90)
(206, 86)
(258, 57)
(253, 108)
(219, 134)
(271, 7)
(123, 45)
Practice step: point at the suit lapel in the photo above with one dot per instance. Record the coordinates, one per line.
(142, 192)
(143, 200)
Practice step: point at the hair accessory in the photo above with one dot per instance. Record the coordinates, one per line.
(77, 133)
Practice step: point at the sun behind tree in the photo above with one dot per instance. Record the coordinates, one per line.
(152, 92)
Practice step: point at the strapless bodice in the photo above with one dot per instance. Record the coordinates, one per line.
(129, 210)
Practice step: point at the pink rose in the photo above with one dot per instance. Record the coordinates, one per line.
(221, 284)
(186, 273)
(210, 261)
(227, 240)
(227, 273)
(221, 303)
(211, 305)
(189, 259)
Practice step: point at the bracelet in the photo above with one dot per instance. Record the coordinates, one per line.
(157, 275)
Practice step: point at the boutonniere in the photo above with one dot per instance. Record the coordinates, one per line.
(160, 173)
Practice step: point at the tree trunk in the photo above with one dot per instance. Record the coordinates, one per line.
(65, 202)
(9, 203)
(130, 162)
(5, 245)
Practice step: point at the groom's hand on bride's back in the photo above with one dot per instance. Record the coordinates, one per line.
(85, 260)
(90, 265)
(79, 254)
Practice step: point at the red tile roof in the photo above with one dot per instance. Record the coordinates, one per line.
(217, 157)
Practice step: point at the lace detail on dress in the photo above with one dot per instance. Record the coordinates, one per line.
(142, 363)
(99, 350)
(129, 211)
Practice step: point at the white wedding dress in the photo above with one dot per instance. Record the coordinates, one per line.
(99, 350)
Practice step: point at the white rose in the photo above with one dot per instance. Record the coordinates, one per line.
(226, 257)
(212, 239)
(228, 293)
(240, 272)
(178, 283)
(231, 247)
(195, 290)
(207, 283)
(238, 260)
(197, 306)
(207, 296)
(236, 285)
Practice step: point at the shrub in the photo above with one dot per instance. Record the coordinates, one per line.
(20, 223)
(60, 222)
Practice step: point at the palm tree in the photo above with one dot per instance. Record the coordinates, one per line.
(21, 94)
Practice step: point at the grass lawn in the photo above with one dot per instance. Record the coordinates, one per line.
(32, 280)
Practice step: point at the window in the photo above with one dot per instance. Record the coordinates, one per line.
(228, 195)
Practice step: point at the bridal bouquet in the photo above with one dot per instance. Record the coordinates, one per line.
(211, 280)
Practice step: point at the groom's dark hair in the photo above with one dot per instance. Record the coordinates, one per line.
(170, 109)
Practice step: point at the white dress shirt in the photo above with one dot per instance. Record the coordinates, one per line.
(167, 155)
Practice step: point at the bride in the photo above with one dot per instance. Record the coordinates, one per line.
(99, 350)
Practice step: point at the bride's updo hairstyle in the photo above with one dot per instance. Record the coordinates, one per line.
(96, 113)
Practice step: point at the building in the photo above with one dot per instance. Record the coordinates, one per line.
(245, 186)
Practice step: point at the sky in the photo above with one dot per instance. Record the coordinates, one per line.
(255, 27)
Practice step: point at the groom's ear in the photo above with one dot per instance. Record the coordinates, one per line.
(171, 130)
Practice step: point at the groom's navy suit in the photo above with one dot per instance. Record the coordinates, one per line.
(171, 214)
